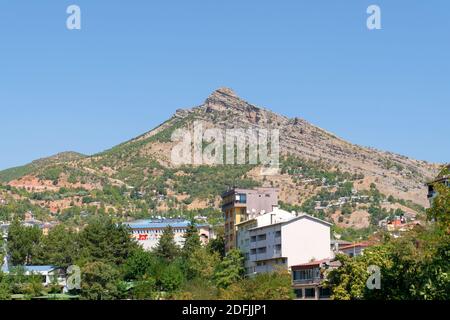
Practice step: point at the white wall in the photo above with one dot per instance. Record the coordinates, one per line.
(276, 216)
(305, 239)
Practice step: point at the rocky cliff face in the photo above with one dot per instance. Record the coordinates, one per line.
(143, 163)
(395, 174)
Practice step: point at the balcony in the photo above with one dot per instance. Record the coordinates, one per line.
(308, 281)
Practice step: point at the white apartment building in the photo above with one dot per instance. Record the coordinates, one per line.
(281, 238)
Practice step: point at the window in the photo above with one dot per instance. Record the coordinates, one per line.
(241, 198)
(298, 293)
(253, 239)
(308, 274)
(278, 248)
(310, 293)
(278, 234)
(325, 292)
(262, 250)
(253, 251)
(262, 237)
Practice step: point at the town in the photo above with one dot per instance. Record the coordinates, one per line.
(256, 232)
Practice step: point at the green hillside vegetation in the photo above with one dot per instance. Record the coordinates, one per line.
(18, 172)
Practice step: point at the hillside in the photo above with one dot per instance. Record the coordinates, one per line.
(137, 178)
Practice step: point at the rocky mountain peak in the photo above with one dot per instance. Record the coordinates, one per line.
(224, 91)
(224, 99)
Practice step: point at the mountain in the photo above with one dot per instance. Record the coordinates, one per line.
(317, 169)
(18, 172)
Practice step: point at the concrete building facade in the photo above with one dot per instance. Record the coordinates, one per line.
(148, 232)
(240, 205)
(282, 239)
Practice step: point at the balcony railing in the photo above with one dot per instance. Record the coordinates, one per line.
(308, 281)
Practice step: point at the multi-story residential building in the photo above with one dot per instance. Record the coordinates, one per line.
(243, 235)
(281, 238)
(239, 205)
(148, 232)
(308, 279)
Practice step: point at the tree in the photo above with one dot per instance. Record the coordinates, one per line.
(348, 281)
(99, 281)
(23, 242)
(167, 249)
(5, 289)
(144, 289)
(413, 267)
(202, 264)
(218, 244)
(171, 278)
(230, 270)
(191, 240)
(33, 287)
(103, 240)
(138, 265)
(197, 289)
(60, 248)
(440, 210)
(274, 285)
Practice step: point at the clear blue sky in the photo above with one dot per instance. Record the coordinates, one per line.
(135, 62)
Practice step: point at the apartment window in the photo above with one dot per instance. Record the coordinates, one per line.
(253, 251)
(241, 198)
(262, 237)
(278, 248)
(310, 293)
(308, 274)
(278, 234)
(325, 293)
(253, 239)
(262, 250)
(298, 293)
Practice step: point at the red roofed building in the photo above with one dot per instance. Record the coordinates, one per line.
(355, 249)
(308, 279)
